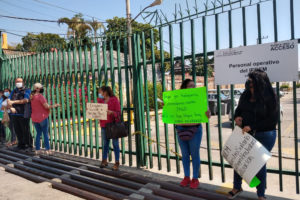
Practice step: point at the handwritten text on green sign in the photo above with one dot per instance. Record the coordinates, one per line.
(185, 106)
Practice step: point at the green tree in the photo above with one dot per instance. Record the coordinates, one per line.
(77, 26)
(118, 27)
(200, 67)
(42, 41)
(95, 25)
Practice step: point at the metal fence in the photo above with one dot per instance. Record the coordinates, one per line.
(71, 77)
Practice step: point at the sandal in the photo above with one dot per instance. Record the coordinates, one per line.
(234, 195)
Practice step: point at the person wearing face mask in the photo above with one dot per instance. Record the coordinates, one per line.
(39, 116)
(18, 100)
(106, 96)
(257, 114)
(190, 148)
(4, 107)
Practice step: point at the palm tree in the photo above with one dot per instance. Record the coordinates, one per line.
(95, 25)
(77, 27)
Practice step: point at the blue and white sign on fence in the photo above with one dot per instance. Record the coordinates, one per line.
(279, 60)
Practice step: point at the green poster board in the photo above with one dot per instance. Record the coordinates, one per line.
(1, 115)
(185, 106)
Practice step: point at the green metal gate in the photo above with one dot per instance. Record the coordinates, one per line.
(71, 78)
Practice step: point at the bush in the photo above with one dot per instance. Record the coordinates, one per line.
(151, 95)
(284, 87)
(298, 85)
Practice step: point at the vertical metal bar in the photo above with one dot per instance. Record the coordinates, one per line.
(182, 50)
(278, 98)
(80, 101)
(244, 26)
(232, 104)
(74, 81)
(64, 85)
(137, 113)
(193, 51)
(155, 99)
(94, 88)
(173, 88)
(49, 88)
(85, 80)
(258, 24)
(99, 80)
(120, 96)
(295, 102)
(162, 63)
(219, 106)
(54, 86)
(69, 82)
(58, 87)
(105, 62)
(112, 65)
(141, 100)
(128, 99)
(137, 126)
(147, 100)
(206, 84)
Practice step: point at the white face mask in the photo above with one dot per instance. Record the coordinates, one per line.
(19, 85)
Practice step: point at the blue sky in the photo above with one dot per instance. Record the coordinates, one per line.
(105, 9)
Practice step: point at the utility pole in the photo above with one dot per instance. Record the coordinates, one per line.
(129, 30)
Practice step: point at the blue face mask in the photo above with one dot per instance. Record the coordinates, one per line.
(6, 94)
(100, 96)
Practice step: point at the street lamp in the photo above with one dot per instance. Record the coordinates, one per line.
(155, 3)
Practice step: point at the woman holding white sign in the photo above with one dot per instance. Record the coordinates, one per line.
(107, 96)
(189, 138)
(257, 114)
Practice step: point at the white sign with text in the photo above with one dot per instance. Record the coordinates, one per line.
(96, 111)
(279, 60)
(245, 154)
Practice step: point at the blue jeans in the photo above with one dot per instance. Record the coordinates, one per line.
(191, 148)
(40, 128)
(267, 139)
(106, 143)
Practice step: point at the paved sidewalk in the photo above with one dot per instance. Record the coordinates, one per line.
(13, 187)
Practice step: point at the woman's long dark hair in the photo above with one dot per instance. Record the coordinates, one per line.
(108, 90)
(185, 83)
(263, 90)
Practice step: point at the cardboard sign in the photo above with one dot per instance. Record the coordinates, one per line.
(245, 154)
(96, 111)
(185, 106)
(279, 60)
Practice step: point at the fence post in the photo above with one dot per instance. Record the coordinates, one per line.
(137, 104)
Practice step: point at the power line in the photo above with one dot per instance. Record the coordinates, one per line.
(13, 34)
(66, 9)
(23, 8)
(40, 20)
(31, 32)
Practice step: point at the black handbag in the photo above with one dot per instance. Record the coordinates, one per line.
(116, 130)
